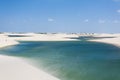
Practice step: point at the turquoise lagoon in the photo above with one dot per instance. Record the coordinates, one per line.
(71, 60)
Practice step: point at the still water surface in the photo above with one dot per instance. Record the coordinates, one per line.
(72, 60)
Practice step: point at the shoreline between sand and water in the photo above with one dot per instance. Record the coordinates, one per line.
(17, 69)
(13, 68)
(8, 39)
(113, 39)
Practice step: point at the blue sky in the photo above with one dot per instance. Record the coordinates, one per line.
(99, 16)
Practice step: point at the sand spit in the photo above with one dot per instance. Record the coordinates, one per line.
(113, 39)
(6, 41)
(45, 37)
(9, 39)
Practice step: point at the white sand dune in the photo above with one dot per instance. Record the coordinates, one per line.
(45, 37)
(114, 40)
(6, 41)
(12, 68)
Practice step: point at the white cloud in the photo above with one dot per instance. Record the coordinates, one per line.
(115, 21)
(86, 20)
(51, 19)
(118, 10)
(101, 21)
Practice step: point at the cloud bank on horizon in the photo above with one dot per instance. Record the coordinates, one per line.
(60, 16)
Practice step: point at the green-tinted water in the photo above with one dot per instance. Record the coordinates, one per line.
(73, 60)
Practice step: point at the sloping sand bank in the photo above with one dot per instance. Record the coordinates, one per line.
(12, 68)
(113, 39)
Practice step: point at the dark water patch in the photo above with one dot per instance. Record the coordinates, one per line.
(85, 38)
(19, 35)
